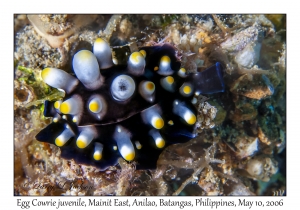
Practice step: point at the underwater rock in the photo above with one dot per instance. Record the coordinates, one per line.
(241, 39)
(273, 139)
(220, 115)
(249, 56)
(110, 27)
(253, 86)
(55, 28)
(277, 20)
(125, 28)
(261, 168)
(210, 182)
(33, 52)
(270, 128)
(263, 138)
(245, 46)
(19, 22)
(235, 187)
(23, 94)
(246, 146)
(192, 156)
(244, 111)
(190, 41)
(282, 62)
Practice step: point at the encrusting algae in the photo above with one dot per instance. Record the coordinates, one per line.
(238, 137)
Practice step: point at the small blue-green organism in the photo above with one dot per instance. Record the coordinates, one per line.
(131, 111)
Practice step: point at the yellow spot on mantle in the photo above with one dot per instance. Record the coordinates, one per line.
(170, 79)
(129, 157)
(57, 104)
(136, 56)
(160, 143)
(85, 54)
(171, 122)
(81, 144)
(165, 59)
(65, 108)
(94, 106)
(159, 123)
(150, 85)
(97, 156)
(99, 41)
(143, 52)
(187, 89)
(45, 73)
(191, 120)
(75, 119)
(59, 142)
(183, 70)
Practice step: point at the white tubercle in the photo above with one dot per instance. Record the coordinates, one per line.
(185, 113)
(60, 79)
(65, 136)
(57, 105)
(72, 106)
(102, 51)
(186, 89)
(147, 89)
(87, 70)
(125, 146)
(159, 141)
(97, 106)
(56, 118)
(138, 145)
(153, 117)
(182, 73)
(136, 63)
(86, 136)
(165, 66)
(168, 83)
(98, 151)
